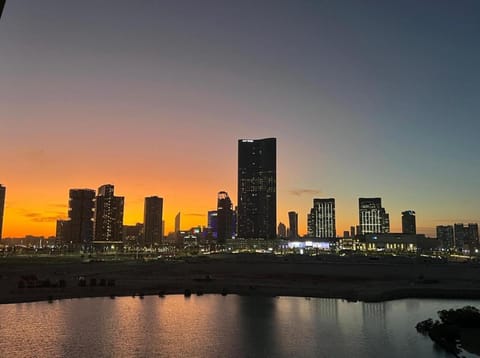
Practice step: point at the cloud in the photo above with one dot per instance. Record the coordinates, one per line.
(194, 214)
(41, 218)
(300, 192)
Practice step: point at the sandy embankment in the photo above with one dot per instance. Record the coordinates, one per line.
(354, 278)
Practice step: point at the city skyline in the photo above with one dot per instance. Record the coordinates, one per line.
(361, 104)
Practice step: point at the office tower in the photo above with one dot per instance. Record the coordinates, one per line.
(3, 191)
(257, 188)
(385, 221)
(445, 236)
(346, 234)
(461, 236)
(213, 222)
(352, 231)
(177, 222)
(473, 234)
(409, 225)
(321, 220)
(153, 221)
(133, 235)
(373, 218)
(293, 225)
(225, 216)
(108, 217)
(62, 232)
(282, 231)
(80, 212)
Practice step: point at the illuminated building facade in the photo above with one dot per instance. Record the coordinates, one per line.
(373, 218)
(213, 223)
(321, 220)
(257, 188)
(108, 217)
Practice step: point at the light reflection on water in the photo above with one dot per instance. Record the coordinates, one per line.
(217, 326)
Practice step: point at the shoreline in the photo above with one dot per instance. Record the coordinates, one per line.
(351, 279)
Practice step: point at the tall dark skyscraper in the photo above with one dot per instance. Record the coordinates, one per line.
(282, 231)
(293, 225)
(213, 222)
(108, 217)
(257, 188)
(409, 225)
(225, 216)
(321, 220)
(373, 218)
(78, 231)
(3, 191)
(153, 221)
(177, 222)
(445, 236)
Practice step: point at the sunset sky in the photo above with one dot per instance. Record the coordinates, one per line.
(365, 98)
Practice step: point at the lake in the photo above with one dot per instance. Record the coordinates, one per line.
(218, 326)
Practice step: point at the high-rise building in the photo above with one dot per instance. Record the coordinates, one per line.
(213, 223)
(153, 221)
(321, 220)
(373, 218)
(257, 188)
(461, 236)
(177, 222)
(473, 235)
(445, 236)
(62, 232)
(409, 225)
(3, 191)
(108, 217)
(133, 235)
(282, 231)
(293, 225)
(81, 206)
(352, 231)
(225, 216)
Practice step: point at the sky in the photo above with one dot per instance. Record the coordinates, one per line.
(366, 99)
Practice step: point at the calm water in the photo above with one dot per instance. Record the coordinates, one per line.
(216, 326)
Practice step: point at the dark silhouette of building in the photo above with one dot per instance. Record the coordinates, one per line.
(133, 235)
(177, 222)
(293, 225)
(225, 216)
(153, 221)
(461, 236)
(257, 188)
(445, 236)
(473, 235)
(81, 206)
(373, 218)
(3, 191)
(108, 218)
(352, 231)
(213, 223)
(62, 232)
(282, 231)
(321, 220)
(409, 225)
(466, 237)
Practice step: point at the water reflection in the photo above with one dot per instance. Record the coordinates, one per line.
(217, 326)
